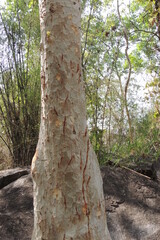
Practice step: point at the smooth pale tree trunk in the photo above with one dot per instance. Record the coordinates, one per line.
(68, 195)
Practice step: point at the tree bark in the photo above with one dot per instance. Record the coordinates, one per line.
(68, 194)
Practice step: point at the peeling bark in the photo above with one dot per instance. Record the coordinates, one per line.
(68, 194)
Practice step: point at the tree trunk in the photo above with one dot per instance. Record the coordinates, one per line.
(129, 75)
(68, 194)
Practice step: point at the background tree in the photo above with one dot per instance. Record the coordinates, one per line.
(115, 49)
(20, 87)
(106, 71)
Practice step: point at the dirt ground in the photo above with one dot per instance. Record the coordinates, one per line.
(132, 206)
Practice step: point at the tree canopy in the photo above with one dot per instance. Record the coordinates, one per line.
(120, 42)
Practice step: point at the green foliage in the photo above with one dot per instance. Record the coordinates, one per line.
(20, 79)
(112, 44)
(105, 68)
(145, 147)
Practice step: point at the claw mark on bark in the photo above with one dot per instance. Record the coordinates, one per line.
(71, 65)
(84, 170)
(86, 130)
(77, 68)
(85, 207)
(79, 80)
(80, 161)
(60, 162)
(64, 125)
(62, 58)
(74, 131)
(55, 111)
(52, 8)
(66, 99)
(65, 202)
(43, 81)
(79, 217)
(46, 98)
(69, 163)
(89, 178)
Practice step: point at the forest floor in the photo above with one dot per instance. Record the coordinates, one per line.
(132, 205)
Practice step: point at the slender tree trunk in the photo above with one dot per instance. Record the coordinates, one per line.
(109, 129)
(128, 77)
(157, 6)
(68, 194)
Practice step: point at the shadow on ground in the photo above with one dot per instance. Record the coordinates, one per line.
(132, 205)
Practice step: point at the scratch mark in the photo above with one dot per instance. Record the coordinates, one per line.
(79, 217)
(65, 202)
(69, 163)
(79, 80)
(77, 68)
(66, 99)
(62, 57)
(55, 111)
(43, 81)
(89, 178)
(60, 162)
(80, 161)
(84, 170)
(64, 125)
(52, 8)
(74, 131)
(85, 207)
(86, 130)
(46, 98)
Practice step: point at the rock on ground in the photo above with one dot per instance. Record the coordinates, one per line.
(8, 176)
(132, 205)
(16, 208)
